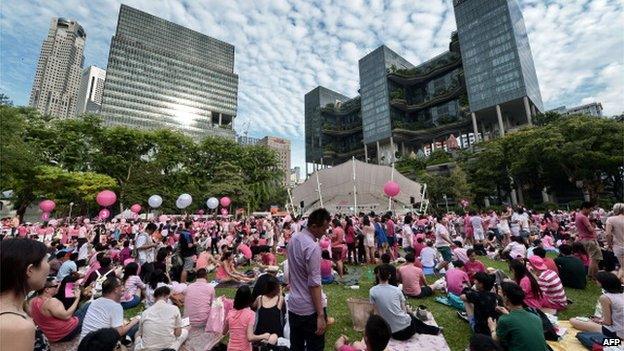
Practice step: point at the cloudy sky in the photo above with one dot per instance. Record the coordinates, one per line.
(286, 48)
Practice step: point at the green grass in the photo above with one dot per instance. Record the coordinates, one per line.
(456, 331)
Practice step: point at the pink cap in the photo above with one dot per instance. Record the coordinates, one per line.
(537, 263)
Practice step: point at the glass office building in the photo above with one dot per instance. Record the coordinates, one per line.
(497, 58)
(163, 75)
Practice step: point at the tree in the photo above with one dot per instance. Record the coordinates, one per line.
(545, 118)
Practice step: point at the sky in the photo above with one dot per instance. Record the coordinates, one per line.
(285, 48)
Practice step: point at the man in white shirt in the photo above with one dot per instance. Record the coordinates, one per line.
(145, 246)
(160, 327)
(443, 242)
(106, 311)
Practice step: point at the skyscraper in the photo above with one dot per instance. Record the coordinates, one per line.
(57, 80)
(163, 75)
(91, 90)
(282, 148)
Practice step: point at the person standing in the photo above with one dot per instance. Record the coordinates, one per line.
(615, 235)
(187, 250)
(306, 315)
(391, 235)
(587, 235)
(145, 245)
(443, 242)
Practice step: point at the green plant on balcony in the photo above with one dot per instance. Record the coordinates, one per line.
(397, 94)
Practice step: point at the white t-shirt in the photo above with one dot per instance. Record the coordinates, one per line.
(440, 229)
(144, 255)
(157, 325)
(427, 256)
(102, 313)
(516, 249)
(408, 235)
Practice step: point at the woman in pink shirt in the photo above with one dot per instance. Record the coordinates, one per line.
(532, 292)
(239, 323)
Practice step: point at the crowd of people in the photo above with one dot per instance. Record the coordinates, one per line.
(71, 280)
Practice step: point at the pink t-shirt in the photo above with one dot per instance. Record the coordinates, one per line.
(583, 226)
(473, 267)
(221, 273)
(455, 279)
(131, 286)
(326, 268)
(529, 299)
(411, 276)
(198, 301)
(238, 321)
(245, 250)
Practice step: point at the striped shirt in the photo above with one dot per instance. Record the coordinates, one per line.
(551, 287)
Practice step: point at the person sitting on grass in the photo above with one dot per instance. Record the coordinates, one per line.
(226, 272)
(327, 267)
(459, 252)
(611, 324)
(517, 329)
(515, 249)
(550, 284)
(269, 309)
(533, 295)
(376, 337)
(473, 265)
(579, 251)
(571, 270)
(549, 262)
(104, 339)
(456, 277)
(389, 303)
(480, 303)
(160, 326)
(413, 279)
(133, 286)
(198, 300)
(428, 258)
(239, 323)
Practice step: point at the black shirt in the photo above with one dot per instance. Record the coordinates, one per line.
(185, 239)
(485, 303)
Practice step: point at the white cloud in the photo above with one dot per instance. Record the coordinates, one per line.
(286, 48)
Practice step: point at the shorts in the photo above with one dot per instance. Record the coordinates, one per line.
(479, 234)
(593, 250)
(445, 251)
(189, 264)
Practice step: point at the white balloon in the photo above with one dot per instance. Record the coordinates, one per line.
(185, 200)
(179, 204)
(212, 203)
(155, 201)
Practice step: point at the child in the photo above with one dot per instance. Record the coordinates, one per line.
(240, 323)
(456, 278)
(327, 276)
(376, 337)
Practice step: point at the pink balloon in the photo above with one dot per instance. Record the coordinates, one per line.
(45, 216)
(225, 201)
(136, 208)
(104, 213)
(106, 198)
(392, 188)
(47, 205)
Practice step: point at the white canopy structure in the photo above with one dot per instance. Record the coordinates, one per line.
(355, 186)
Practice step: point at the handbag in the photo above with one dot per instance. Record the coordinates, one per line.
(216, 318)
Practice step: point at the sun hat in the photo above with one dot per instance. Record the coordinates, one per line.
(537, 263)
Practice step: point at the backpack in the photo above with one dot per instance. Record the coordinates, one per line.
(96, 292)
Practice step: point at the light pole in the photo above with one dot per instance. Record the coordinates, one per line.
(71, 205)
(446, 202)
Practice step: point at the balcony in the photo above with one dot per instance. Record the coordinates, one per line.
(422, 74)
(342, 129)
(344, 108)
(419, 129)
(441, 96)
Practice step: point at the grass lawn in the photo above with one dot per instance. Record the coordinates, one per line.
(456, 331)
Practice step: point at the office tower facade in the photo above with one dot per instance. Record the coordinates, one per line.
(163, 75)
(482, 86)
(57, 79)
(91, 90)
(591, 109)
(282, 147)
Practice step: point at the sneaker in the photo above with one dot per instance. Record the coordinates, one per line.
(462, 315)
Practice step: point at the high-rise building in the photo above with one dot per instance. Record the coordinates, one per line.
(91, 90)
(247, 140)
(483, 86)
(295, 176)
(591, 109)
(163, 75)
(57, 80)
(282, 148)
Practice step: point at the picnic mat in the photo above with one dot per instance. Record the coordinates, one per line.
(569, 342)
(198, 340)
(421, 341)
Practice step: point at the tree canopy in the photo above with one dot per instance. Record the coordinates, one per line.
(70, 160)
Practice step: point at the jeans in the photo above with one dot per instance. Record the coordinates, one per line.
(136, 300)
(303, 333)
(417, 326)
